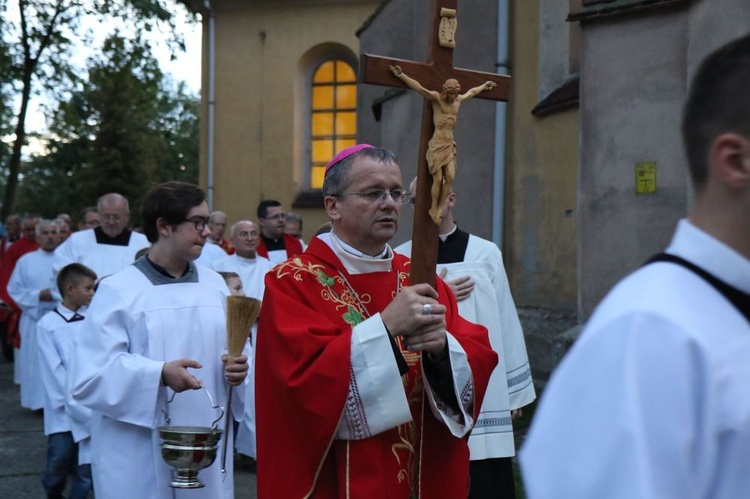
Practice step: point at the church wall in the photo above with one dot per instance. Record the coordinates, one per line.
(541, 180)
(713, 23)
(630, 113)
(542, 161)
(401, 30)
(635, 73)
(259, 150)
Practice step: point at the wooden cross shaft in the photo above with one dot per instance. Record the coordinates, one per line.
(432, 74)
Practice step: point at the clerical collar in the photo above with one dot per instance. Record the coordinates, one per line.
(273, 244)
(354, 260)
(452, 248)
(123, 239)
(445, 236)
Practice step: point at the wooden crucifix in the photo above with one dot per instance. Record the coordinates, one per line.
(431, 77)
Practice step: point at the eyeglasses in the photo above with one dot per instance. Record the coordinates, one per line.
(199, 223)
(379, 195)
(278, 216)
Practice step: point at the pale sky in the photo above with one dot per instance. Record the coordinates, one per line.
(186, 67)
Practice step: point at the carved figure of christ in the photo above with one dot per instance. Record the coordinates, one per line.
(432, 74)
(441, 149)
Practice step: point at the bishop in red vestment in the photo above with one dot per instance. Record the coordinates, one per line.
(366, 386)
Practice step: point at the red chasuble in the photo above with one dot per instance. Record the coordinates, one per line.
(303, 371)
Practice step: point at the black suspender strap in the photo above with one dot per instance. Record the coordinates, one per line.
(739, 299)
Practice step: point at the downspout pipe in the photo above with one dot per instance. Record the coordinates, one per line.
(211, 132)
(498, 181)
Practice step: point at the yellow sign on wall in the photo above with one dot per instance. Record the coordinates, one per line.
(645, 177)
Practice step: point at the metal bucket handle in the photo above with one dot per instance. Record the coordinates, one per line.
(210, 399)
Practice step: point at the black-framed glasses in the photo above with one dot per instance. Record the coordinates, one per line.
(379, 195)
(200, 223)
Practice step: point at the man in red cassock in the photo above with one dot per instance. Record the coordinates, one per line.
(11, 313)
(366, 385)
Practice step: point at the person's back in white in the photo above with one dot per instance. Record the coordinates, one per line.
(652, 400)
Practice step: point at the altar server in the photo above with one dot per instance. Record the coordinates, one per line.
(473, 268)
(67, 426)
(147, 325)
(32, 286)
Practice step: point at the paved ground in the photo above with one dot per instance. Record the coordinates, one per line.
(23, 447)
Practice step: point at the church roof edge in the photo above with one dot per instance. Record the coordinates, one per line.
(372, 17)
(602, 8)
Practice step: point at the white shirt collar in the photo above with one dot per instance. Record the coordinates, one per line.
(711, 255)
(356, 262)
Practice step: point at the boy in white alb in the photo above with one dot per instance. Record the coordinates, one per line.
(56, 333)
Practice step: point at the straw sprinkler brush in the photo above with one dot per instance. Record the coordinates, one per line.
(242, 312)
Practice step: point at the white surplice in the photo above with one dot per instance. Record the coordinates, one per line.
(252, 272)
(135, 324)
(210, 253)
(491, 305)
(104, 259)
(56, 336)
(33, 273)
(652, 401)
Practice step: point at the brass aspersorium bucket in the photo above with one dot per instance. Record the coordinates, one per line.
(189, 449)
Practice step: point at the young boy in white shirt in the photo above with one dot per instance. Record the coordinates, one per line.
(66, 426)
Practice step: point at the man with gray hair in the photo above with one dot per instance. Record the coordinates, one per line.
(218, 248)
(32, 287)
(219, 221)
(109, 247)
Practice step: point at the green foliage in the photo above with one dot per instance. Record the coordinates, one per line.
(125, 128)
(35, 58)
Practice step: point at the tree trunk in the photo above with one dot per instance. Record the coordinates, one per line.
(14, 165)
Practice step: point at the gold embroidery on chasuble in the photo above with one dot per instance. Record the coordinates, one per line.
(334, 288)
(343, 298)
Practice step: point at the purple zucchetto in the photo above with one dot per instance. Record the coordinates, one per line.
(345, 153)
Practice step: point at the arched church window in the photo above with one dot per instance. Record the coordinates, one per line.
(333, 115)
